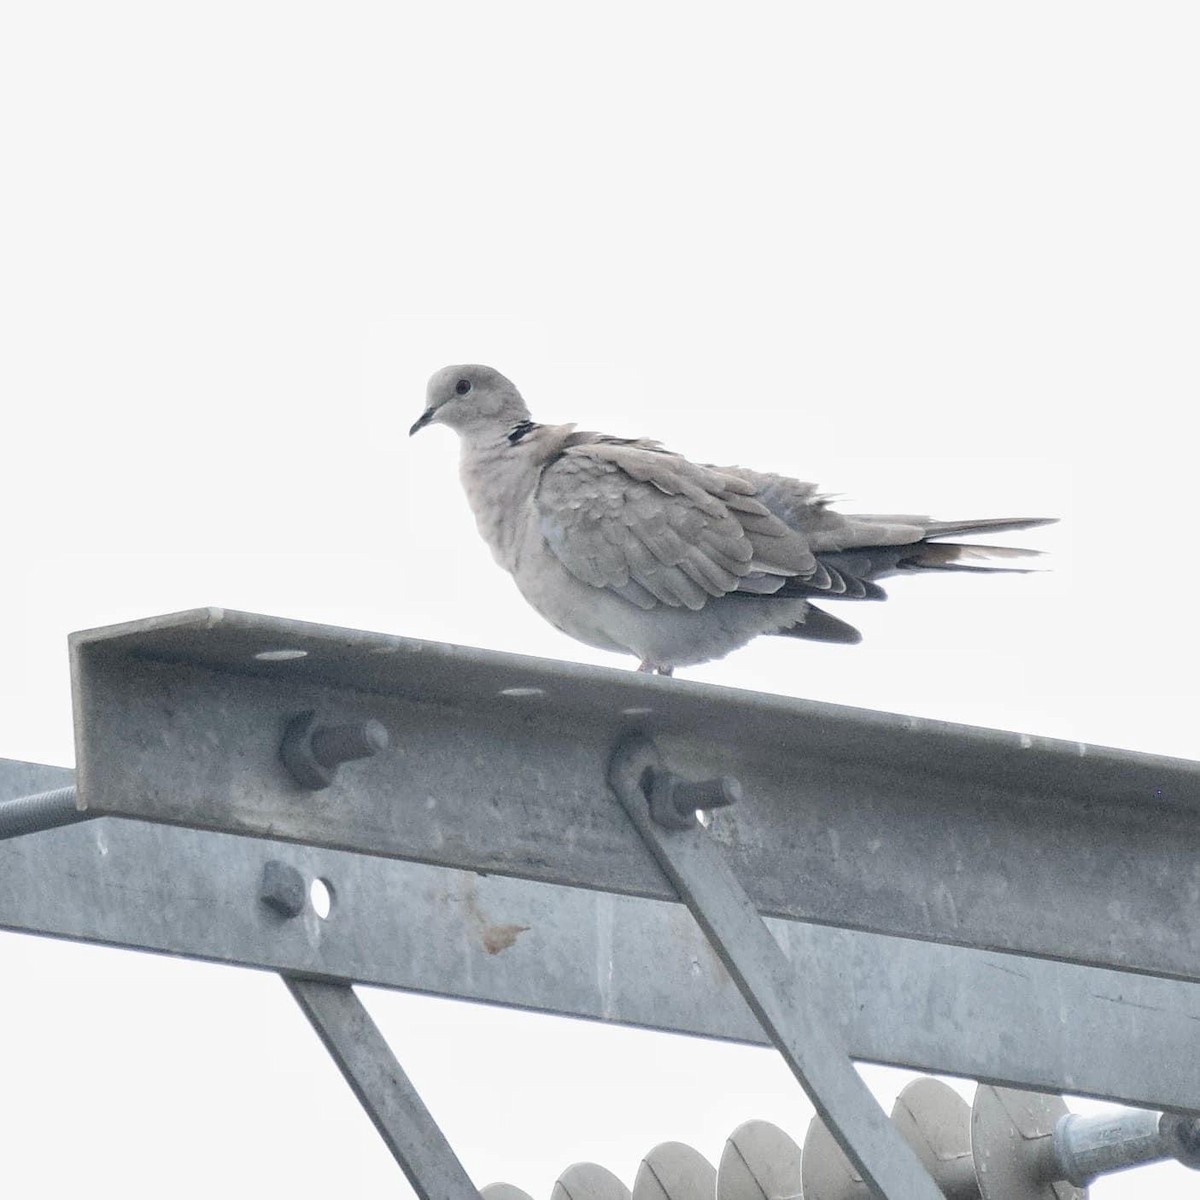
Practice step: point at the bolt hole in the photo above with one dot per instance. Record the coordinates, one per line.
(321, 895)
(280, 655)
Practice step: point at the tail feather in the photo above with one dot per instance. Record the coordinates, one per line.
(949, 556)
(937, 529)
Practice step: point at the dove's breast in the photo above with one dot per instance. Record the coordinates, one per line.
(499, 482)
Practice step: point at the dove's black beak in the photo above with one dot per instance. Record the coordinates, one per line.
(421, 421)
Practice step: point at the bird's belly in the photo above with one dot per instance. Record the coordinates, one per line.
(664, 636)
(574, 608)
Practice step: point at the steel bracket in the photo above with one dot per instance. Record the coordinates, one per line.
(379, 1083)
(792, 1015)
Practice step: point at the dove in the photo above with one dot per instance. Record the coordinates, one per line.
(629, 547)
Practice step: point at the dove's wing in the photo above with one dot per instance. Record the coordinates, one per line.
(659, 530)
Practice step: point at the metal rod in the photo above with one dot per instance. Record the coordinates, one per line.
(383, 1089)
(791, 1014)
(43, 810)
(1087, 1147)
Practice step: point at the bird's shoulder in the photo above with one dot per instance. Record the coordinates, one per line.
(605, 464)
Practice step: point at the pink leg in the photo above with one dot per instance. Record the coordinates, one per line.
(649, 668)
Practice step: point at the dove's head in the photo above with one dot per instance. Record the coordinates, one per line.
(471, 399)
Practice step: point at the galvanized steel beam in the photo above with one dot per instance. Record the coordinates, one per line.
(1019, 1021)
(378, 1081)
(856, 819)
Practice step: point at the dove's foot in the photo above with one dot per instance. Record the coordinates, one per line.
(649, 668)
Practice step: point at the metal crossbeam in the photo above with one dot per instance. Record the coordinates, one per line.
(858, 819)
(1020, 1021)
(383, 1089)
(790, 1007)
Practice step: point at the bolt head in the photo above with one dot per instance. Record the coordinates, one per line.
(282, 889)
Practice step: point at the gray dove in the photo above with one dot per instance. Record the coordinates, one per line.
(626, 546)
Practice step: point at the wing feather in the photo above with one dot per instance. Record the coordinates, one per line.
(657, 529)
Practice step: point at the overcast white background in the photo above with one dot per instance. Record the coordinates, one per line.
(938, 257)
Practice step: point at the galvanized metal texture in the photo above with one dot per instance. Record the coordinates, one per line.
(853, 818)
(384, 1090)
(1026, 1022)
(788, 1005)
(41, 810)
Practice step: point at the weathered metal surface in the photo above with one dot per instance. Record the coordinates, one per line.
(788, 1002)
(41, 810)
(378, 1081)
(1025, 1022)
(851, 818)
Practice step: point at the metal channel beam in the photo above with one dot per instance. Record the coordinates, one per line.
(1018, 1021)
(788, 1003)
(853, 818)
(378, 1081)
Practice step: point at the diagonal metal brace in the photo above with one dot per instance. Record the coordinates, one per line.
(384, 1090)
(791, 1015)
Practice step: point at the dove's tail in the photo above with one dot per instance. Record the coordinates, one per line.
(852, 573)
(962, 556)
(938, 529)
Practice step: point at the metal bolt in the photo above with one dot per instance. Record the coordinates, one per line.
(42, 810)
(282, 889)
(674, 802)
(313, 753)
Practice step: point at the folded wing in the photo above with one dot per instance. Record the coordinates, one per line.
(656, 529)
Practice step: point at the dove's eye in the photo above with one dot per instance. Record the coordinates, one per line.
(462, 387)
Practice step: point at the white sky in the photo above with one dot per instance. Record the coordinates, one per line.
(938, 256)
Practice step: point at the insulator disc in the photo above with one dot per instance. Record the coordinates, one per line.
(674, 1171)
(589, 1181)
(936, 1122)
(503, 1191)
(760, 1162)
(827, 1173)
(1009, 1132)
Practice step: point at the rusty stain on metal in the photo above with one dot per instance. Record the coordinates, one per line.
(494, 937)
(501, 937)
